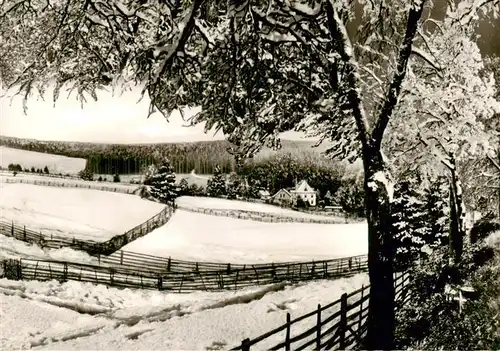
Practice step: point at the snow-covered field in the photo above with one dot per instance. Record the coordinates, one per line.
(63, 182)
(223, 204)
(200, 237)
(81, 213)
(81, 316)
(28, 159)
(11, 248)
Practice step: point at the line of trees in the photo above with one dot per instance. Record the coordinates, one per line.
(15, 167)
(132, 159)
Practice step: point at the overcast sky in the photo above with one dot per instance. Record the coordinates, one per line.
(112, 119)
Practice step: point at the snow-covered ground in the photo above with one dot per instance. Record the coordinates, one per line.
(82, 316)
(64, 182)
(28, 159)
(200, 237)
(223, 204)
(11, 248)
(80, 213)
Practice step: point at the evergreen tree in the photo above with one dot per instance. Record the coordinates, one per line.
(85, 174)
(216, 185)
(116, 178)
(183, 187)
(328, 198)
(46, 170)
(437, 209)
(408, 223)
(235, 186)
(149, 172)
(162, 184)
(32, 169)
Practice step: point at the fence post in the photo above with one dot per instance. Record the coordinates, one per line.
(343, 320)
(121, 257)
(24, 233)
(318, 329)
(245, 344)
(160, 282)
(287, 336)
(12, 229)
(168, 264)
(65, 271)
(361, 309)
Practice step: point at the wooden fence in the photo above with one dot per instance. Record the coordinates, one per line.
(331, 267)
(259, 216)
(119, 241)
(47, 240)
(69, 184)
(92, 247)
(108, 256)
(236, 277)
(340, 325)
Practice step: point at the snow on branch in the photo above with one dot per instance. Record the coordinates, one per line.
(405, 50)
(492, 160)
(185, 30)
(303, 9)
(338, 32)
(427, 58)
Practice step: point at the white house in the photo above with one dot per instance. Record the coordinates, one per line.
(305, 192)
(283, 197)
(302, 190)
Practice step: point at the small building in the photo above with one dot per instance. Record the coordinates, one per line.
(283, 197)
(302, 190)
(264, 194)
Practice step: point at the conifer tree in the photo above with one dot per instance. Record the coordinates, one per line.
(234, 186)
(183, 187)
(408, 223)
(216, 185)
(162, 183)
(437, 208)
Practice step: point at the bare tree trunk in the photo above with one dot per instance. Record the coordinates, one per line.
(381, 317)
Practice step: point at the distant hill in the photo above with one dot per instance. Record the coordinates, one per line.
(201, 156)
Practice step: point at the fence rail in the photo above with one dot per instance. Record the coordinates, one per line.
(90, 246)
(69, 184)
(109, 256)
(175, 281)
(338, 325)
(259, 216)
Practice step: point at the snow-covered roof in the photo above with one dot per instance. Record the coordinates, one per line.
(283, 190)
(303, 186)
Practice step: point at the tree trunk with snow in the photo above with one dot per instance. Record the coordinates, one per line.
(381, 317)
(457, 213)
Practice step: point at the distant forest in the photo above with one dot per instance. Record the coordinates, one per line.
(201, 156)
